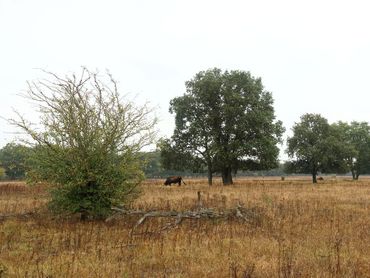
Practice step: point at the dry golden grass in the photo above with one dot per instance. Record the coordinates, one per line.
(302, 230)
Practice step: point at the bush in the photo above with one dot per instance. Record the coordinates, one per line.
(90, 143)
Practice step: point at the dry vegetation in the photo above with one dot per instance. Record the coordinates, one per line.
(297, 230)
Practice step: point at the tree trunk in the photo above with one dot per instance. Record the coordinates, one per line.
(314, 179)
(355, 174)
(226, 176)
(209, 176)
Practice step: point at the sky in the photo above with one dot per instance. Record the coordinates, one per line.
(313, 56)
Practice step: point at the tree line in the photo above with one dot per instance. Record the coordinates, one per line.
(225, 123)
(88, 144)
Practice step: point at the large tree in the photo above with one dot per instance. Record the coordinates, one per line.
(87, 144)
(316, 146)
(226, 119)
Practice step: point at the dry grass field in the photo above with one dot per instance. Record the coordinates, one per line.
(296, 230)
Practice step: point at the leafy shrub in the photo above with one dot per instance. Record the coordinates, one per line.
(89, 144)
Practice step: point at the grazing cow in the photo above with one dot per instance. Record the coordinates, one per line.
(175, 179)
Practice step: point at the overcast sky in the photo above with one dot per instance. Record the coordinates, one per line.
(314, 56)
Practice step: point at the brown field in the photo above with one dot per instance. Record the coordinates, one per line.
(299, 230)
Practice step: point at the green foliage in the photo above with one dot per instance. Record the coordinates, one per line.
(316, 146)
(89, 148)
(153, 167)
(2, 173)
(152, 162)
(355, 139)
(307, 145)
(173, 158)
(170, 157)
(13, 160)
(226, 121)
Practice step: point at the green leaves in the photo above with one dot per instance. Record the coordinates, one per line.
(226, 118)
(317, 146)
(88, 143)
(355, 141)
(13, 159)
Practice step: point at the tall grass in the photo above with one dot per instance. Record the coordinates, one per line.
(302, 230)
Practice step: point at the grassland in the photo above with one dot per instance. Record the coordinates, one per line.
(299, 230)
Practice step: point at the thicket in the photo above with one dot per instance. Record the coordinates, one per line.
(88, 141)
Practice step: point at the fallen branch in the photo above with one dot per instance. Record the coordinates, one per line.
(15, 215)
(249, 215)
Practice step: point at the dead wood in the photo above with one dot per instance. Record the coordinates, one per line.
(248, 215)
(16, 215)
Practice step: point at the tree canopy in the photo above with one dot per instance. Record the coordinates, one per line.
(316, 146)
(13, 159)
(355, 140)
(226, 120)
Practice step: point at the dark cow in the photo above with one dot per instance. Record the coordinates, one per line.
(175, 179)
(320, 178)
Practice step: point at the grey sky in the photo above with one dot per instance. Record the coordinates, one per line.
(314, 56)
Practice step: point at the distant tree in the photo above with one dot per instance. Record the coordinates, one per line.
(88, 143)
(172, 158)
(226, 120)
(356, 136)
(13, 160)
(152, 162)
(338, 151)
(316, 146)
(307, 144)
